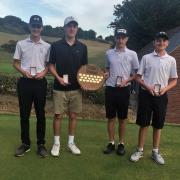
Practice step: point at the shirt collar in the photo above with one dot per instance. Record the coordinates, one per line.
(30, 40)
(65, 42)
(156, 54)
(122, 50)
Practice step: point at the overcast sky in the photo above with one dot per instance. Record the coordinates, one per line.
(91, 14)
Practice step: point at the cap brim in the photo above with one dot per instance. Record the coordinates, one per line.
(162, 37)
(36, 23)
(121, 35)
(74, 22)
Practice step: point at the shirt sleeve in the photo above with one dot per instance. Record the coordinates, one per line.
(142, 66)
(52, 56)
(48, 55)
(18, 52)
(135, 62)
(85, 56)
(107, 64)
(173, 72)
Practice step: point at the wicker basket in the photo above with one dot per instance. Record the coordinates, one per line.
(90, 77)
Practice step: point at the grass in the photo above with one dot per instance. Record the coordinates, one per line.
(92, 164)
(96, 51)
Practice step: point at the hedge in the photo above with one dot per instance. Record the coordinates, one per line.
(8, 85)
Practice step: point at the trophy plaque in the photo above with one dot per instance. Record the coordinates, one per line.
(90, 77)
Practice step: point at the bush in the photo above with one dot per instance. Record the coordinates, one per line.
(96, 97)
(8, 85)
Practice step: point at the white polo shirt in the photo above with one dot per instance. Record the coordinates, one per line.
(157, 69)
(120, 63)
(32, 54)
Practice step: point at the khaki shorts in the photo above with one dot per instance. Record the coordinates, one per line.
(67, 101)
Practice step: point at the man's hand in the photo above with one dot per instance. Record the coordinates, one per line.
(151, 90)
(162, 91)
(123, 84)
(61, 81)
(106, 75)
(40, 75)
(27, 74)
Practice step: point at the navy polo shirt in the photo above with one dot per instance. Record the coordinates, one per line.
(67, 60)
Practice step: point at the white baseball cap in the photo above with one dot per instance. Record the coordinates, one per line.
(70, 19)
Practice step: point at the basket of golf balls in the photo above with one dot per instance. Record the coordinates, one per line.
(90, 77)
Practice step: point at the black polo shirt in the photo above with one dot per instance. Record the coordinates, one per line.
(68, 59)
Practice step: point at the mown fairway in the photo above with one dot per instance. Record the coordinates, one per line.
(92, 164)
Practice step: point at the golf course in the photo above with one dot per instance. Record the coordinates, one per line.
(92, 164)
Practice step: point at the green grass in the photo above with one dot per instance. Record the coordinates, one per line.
(92, 164)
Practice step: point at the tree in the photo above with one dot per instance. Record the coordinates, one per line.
(100, 37)
(144, 18)
(12, 24)
(109, 38)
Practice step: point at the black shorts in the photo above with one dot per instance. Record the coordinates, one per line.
(151, 108)
(117, 102)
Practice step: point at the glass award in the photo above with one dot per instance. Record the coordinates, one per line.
(157, 88)
(119, 81)
(33, 71)
(65, 78)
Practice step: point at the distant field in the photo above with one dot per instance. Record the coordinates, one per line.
(96, 51)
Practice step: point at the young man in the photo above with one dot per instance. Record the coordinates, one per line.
(30, 59)
(66, 57)
(157, 75)
(121, 65)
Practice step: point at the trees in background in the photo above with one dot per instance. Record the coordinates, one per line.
(143, 18)
(12, 24)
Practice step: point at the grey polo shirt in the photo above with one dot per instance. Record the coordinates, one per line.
(32, 54)
(120, 63)
(157, 69)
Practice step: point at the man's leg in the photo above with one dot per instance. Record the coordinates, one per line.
(141, 140)
(143, 120)
(141, 137)
(110, 107)
(111, 130)
(25, 98)
(72, 123)
(39, 104)
(156, 138)
(122, 106)
(159, 114)
(57, 131)
(57, 124)
(60, 105)
(111, 134)
(75, 107)
(122, 130)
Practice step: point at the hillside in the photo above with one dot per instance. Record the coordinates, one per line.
(96, 50)
(14, 25)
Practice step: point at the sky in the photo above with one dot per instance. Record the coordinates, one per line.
(91, 14)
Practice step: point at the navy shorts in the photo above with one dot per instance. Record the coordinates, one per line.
(117, 102)
(151, 109)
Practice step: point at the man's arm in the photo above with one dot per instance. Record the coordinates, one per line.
(172, 84)
(53, 71)
(139, 79)
(17, 66)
